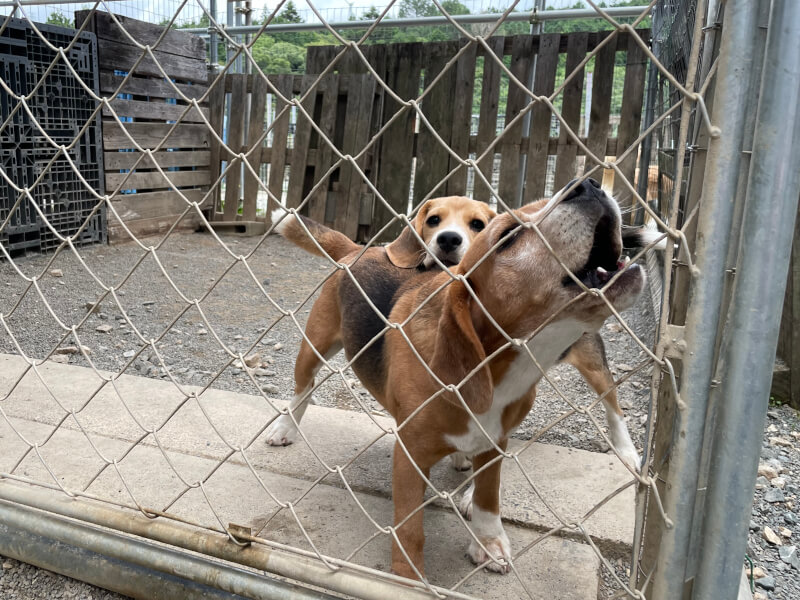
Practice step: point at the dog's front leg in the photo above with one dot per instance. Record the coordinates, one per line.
(408, 491)
(486, 523)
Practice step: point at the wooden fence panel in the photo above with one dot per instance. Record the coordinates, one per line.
(348, 106)
(235, 141)
(600, 112)
(786, 376)
(254, 145)
(396, 154)
(541, 116)
(318, 202)
(148, 106)
(487, 118)
(433, 159)
(280, 139)
(360, 102)
(463, 93)
(630, 120)
(518, 100)
(570, 112)
(298, 184)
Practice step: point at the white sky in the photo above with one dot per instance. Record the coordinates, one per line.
(332, 10)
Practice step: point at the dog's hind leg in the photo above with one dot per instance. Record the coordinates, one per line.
(588, 355)
(324, 335)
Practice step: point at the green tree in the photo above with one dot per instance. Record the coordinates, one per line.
(371, 14)
(279, 57)
(288, 15)
(417, 8)
(454, 7)
(57, 18)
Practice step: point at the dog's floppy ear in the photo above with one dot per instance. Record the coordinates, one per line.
(458, 351)
(407, 252)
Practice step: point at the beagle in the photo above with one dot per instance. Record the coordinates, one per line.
(446, 225)
(508, 283)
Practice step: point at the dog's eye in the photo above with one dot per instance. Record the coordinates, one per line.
(508, 237)
(433, 221)
(477, 225)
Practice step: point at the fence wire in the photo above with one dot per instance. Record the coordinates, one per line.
(153, 260)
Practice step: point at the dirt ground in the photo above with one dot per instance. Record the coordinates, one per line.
(196, 295)
(158, 297)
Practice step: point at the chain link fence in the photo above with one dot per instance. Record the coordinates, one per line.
(179, 473)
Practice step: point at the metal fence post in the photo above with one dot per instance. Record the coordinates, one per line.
(747, 358)
(714, 222)
(212, 38)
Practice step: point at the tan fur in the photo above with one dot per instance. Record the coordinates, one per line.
(323, 333)
(521, 286)
(520, 299)
(406, 251)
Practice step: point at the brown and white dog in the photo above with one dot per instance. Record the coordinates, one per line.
(517, 281)
(446, 225)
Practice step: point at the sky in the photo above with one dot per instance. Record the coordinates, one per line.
(332, 10)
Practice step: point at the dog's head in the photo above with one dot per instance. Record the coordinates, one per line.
(447, 226)
(526, 279)
(534, 275)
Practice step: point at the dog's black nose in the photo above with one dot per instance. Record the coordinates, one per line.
(448, 240)
(588, 186)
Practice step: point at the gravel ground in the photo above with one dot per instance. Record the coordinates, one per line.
(234, 309)
(20, 581)
(774, 540)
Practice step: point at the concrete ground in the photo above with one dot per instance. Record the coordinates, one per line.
(160, 439)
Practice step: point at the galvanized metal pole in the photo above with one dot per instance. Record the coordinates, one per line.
(212, 38)
(715, 216)
(158, 571)
(768, 227)
(546, 15)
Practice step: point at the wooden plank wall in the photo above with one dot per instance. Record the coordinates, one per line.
(786, 377)
(407, 161)
(410, 68)
(345, 107)
(149, 107)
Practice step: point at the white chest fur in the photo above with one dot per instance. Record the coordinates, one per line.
(523, 373)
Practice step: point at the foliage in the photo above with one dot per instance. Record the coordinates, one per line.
(57, 18)
(285, 52)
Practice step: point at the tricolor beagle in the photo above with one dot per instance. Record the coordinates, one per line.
(446, 225)
(517, 285)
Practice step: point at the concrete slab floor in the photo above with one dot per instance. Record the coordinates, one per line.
(196, 434)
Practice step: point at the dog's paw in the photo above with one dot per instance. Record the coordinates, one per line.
(465, 504)
(630, 456)
(282, 432)
(499, 548)
(460, 461)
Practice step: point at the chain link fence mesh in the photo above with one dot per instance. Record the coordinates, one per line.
(130, 461)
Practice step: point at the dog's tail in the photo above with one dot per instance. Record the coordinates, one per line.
(641, 237)
(335, 244)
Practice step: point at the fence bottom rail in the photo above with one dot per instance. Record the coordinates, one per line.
(129, 565)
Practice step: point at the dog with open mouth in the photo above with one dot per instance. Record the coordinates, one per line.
(508, 285)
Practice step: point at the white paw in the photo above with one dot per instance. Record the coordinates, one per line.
(621, 440)
(465, 505)
(498, 547)
(460, 461)
(630, 456)
(282, 432)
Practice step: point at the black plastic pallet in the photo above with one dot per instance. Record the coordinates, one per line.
(61, 108)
